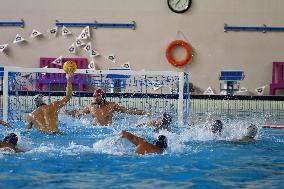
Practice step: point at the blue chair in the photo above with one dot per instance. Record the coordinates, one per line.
(118, 80)
(230, 81)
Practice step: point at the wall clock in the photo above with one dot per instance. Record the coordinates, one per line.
(179, 6)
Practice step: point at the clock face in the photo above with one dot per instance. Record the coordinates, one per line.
(179, 6)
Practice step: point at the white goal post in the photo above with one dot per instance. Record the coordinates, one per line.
(162, 89)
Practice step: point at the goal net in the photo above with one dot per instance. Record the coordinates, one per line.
(152, 91)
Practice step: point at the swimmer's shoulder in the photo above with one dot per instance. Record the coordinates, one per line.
(42, 108)
(243, 140)
(7, 145)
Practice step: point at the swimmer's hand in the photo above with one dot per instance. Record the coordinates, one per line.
(8, 125)
(148, 114)
(141, 125)
(122, 134)
(70, 112)
(69, 76)
(73, 113)
(5, 124)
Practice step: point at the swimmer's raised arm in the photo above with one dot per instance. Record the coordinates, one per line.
(60, 103)
(132, 111)
(74, 113)
(131, 137)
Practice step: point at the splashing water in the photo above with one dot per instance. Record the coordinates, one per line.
(97, 153)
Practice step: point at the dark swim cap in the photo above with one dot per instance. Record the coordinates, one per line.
(11, 138)
(217, 126)
(167, 119)
(161, 142)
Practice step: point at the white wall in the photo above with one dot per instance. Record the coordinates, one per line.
(202, 27)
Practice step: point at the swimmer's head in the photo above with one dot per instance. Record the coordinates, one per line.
(99, 96)
(11, 138)
(217, 127)
(251, 131)
(99, 92)
(161, 142)
(166, 119)
(38, 100)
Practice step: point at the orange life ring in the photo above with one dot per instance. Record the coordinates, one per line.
(187, 48)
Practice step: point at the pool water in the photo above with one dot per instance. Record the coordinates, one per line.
(85, 156)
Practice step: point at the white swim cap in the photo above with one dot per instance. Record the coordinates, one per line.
(38, 100)
(251, 131)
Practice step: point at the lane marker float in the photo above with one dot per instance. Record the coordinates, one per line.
(273, 126)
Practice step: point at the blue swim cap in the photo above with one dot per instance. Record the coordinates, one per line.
(161, 142)
(167, 119)
(11, 138)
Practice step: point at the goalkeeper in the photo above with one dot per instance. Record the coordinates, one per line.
(45, 117)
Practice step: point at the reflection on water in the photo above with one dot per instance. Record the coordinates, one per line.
(85, 156)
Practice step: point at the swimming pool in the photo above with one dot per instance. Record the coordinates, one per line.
(85, 156)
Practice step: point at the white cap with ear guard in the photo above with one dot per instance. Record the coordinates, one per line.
(251, 131)
(38, 99)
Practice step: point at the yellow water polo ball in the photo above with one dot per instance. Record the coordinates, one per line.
(70, 66)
